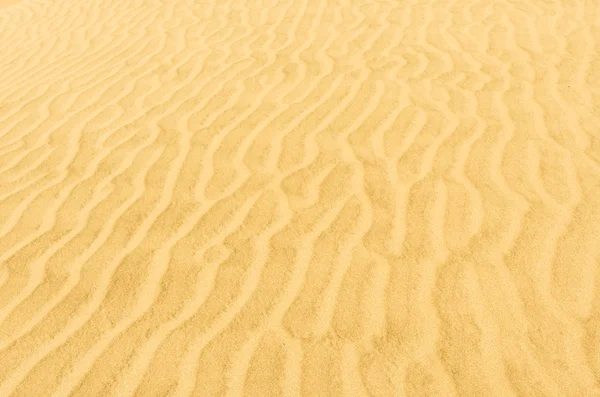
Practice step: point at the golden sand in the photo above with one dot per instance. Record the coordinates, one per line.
(362, 198)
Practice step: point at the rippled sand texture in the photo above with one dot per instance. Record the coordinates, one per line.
(300, 198)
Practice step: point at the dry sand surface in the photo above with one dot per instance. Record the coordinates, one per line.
(362, 198)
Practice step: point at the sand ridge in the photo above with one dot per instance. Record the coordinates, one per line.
(300, 198)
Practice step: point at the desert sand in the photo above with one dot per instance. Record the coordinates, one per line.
(362, 198)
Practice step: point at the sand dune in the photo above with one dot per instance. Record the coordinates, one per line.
(300, 198)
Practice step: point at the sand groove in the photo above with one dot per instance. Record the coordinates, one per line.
(300, 198)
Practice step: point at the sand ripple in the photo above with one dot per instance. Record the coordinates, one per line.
(300, 198)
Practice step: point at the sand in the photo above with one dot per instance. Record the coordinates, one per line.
(363, 198)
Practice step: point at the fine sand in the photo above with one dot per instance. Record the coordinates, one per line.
(300, 198)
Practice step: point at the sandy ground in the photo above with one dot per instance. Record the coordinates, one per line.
(363, 198)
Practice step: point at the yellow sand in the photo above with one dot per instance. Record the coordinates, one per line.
(300, 198)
